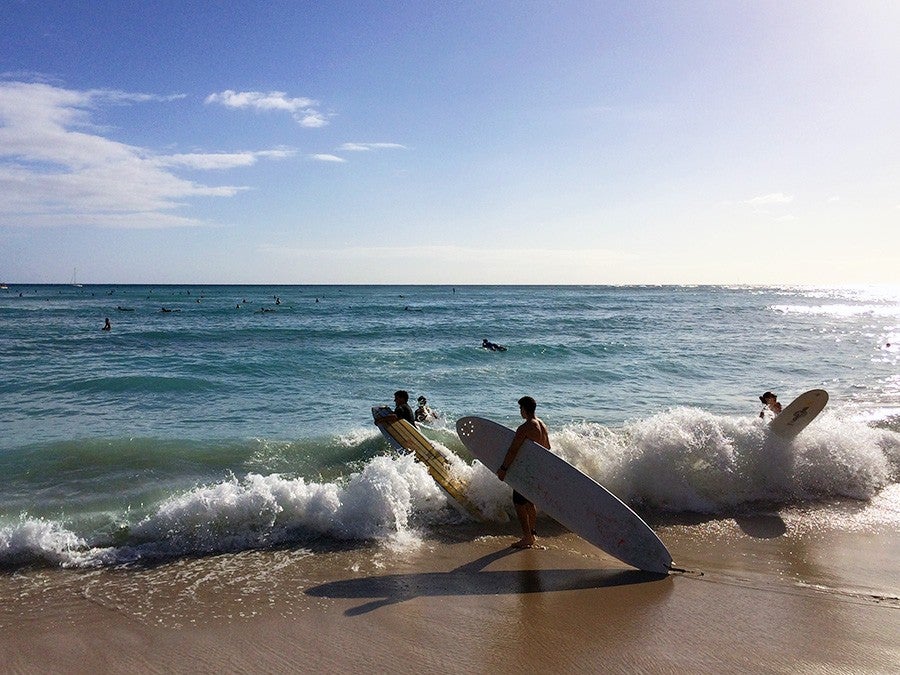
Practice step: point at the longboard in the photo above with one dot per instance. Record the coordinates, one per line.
(567, 495)
(802, 410)
(401, 435)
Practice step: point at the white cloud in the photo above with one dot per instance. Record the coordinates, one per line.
(365, 147)
(304, 110)
(223, 160)
(57, 169)
(769, 200)
(327, 158)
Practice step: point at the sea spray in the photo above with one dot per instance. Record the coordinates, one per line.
(687, 459)
(682, 459)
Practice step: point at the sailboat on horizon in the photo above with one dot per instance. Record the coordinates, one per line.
(75, 278)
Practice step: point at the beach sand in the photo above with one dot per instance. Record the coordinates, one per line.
(784, 593)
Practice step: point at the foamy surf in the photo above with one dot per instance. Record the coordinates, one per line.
(680, 460)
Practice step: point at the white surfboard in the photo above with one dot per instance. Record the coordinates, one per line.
(802, 410)
(570, 497)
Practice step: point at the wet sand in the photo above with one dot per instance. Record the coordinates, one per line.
(771, 593)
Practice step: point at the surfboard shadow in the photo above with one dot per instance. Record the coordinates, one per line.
(471, 579)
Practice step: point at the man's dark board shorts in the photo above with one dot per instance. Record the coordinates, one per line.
(519, 500)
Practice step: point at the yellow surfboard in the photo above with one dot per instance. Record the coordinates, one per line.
(402, 434)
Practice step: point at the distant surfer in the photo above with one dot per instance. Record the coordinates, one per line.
(423, 412)
(402, 411)
(532, 428)
(107, 325)
(770, 401)
(492, 346)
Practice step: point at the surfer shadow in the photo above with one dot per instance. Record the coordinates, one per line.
(472, 579)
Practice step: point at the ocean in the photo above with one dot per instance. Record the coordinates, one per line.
(214, 419)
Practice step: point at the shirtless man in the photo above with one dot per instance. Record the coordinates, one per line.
(536, 430)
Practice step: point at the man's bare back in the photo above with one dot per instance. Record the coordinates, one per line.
(535, 429)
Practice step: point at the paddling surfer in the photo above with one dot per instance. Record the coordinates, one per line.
(532, 428)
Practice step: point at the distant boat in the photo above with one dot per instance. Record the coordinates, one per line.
(4, 287)
(74, 280)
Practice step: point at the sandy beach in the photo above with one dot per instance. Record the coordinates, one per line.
(778, 593)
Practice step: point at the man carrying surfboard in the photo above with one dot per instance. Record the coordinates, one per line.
(401, 411)
(532, 428)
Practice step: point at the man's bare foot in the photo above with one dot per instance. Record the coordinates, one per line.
(523, 543)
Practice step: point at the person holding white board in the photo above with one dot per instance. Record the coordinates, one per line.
(532, 428)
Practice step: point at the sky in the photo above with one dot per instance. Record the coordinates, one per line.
(496, 142)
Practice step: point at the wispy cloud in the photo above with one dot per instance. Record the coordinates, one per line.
(57, 169)
(771, 199)
(223, 160)
(365, 147)
(356, 147)
(323, 157)
(304, 110)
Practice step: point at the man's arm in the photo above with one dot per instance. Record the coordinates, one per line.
(513, 451)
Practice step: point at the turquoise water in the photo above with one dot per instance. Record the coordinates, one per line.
(240, 417)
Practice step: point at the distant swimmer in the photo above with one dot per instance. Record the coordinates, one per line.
(107, 325)
(423, 412)
(124, 309)
(492, 346)
(769, 400)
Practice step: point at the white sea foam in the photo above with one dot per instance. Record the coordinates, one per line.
(34, 539)
(686, 459)
(683, 459)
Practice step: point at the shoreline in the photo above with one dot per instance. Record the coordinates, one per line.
(759, 597)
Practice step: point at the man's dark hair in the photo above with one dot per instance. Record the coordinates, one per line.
(528, 404)
(403, 395)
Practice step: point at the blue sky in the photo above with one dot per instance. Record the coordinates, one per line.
(450, 142)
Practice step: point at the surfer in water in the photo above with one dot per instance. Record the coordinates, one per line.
(423, 412)
(532, 428)
(401, 409)
(492, 346)
(769, 400)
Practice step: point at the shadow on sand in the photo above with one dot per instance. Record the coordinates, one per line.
(762, 526)
(470, 579)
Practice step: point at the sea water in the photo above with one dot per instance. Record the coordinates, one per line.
(225, 418)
